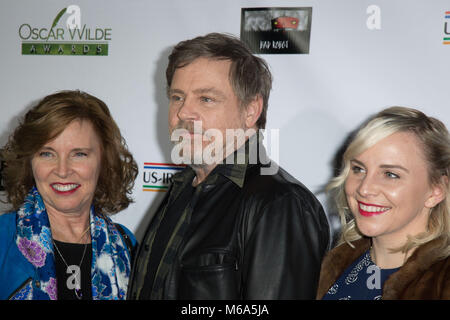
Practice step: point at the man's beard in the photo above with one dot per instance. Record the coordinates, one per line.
(197, 147)
(189, 137)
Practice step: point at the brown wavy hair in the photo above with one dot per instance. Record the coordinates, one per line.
(46, 121)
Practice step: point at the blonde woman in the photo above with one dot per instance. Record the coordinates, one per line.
(393, 198)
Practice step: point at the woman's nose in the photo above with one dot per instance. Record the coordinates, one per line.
(62, 168)
(368, 186)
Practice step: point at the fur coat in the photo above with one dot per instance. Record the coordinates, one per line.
(423, 276)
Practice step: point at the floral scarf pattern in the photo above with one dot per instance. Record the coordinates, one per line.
(110, 268)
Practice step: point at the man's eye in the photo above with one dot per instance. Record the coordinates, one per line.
(206, 99)
(176, 98)
(391, 175)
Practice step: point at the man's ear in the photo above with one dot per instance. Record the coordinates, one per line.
(253, 111)
(438, 194)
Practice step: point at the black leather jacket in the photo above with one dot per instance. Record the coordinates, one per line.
(254, 237)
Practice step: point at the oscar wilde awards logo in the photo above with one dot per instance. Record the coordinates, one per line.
(65, 35)
(277, 30)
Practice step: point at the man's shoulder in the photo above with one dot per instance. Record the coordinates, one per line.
(275, 185)
(276, 180)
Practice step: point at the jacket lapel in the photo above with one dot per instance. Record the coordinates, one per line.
(336, 261)
(419, 262)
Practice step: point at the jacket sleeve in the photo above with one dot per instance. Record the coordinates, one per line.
(446, 285)
(286, 242)
(15, 270)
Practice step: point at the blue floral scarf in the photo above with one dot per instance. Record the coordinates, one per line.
(110, 268)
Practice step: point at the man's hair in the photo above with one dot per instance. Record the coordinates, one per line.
(249, 76)
(434, 140)
(49, 118)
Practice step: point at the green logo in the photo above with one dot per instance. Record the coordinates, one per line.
(71, 39)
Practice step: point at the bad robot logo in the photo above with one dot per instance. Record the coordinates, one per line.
(277, 30)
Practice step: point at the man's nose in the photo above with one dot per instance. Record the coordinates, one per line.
(188, 111)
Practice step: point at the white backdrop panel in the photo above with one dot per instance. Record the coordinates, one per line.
(318, 98)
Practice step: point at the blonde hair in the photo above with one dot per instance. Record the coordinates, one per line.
(435, 141)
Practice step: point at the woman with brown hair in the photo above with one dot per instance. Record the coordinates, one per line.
(67, 168)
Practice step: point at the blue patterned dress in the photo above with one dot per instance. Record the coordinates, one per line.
(362, 280)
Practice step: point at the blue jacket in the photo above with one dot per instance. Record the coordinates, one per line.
(15, 270)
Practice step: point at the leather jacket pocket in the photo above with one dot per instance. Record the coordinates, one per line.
(211, 275)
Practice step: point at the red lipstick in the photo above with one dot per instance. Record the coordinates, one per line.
(65, 188)
(368, 210)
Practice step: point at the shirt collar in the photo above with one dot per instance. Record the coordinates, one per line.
(229, 169)
(235, 166)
